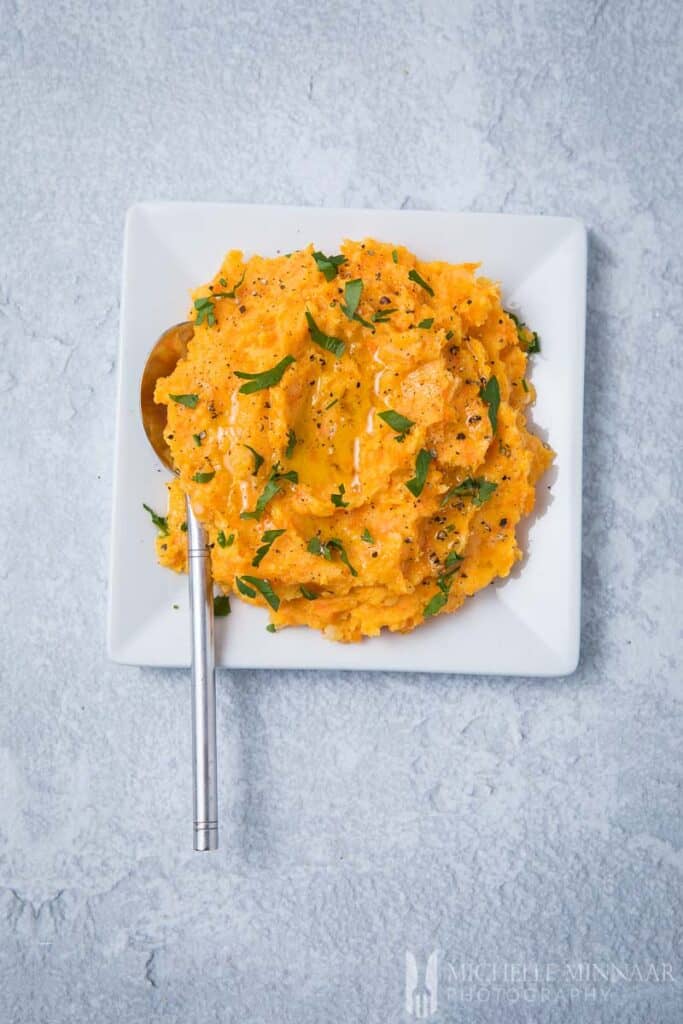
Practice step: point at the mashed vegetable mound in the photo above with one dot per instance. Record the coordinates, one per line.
(350, 430)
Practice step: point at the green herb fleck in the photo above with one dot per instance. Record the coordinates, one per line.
(221, 605)
(426, 324)
(273, 486)
(444, 583)
(416, 485)
(203, 478)
(524, 384)
(328, 265)
(476, 488)
(330, 404)
(414, 276)
(401, 424)
(205, 311)
(394, 255)
(367, 536)
(381, 316)
(291, 444)
(308, 594)
(265, 379)
(490, 393)
(263, 587)
(243, 588)
(161, 522)
(223, 541)
(188, 400)
(271, 627)
(326, 341)
(183, 527)
(534, 344)
(197, 438)
(352, 293)
(258, 459)
(449, 335)
(268, 539)
(452, 560)
(324, 550)
(231, 294)
(338, 499)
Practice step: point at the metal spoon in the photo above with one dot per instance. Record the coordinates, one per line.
(172, 346)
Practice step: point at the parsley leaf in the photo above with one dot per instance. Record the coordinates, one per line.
(197, 438)
(327, 265)
(330, 404)
(273, 486)
(452, 560)
(221, 605)
(205, 311)
(417, 483)
(317, 547)
(367, 536)
(477, 488)
(426, 324)
(258, 459)
(271, 628)
(161, 522)
(243, 588)
(524, 384)
(394, 255)
(265, 379)
(223, 541)
(263, 587)
(352, 293)
(522, 331)
(326, 341)
(490, 393)
(414, 276)
(338, 499)
(401, 424)
(291, 444)
(308, 594)
(268, 538)
(203, 478)
(534, 344)
(381, 316)
(190, 401)
(231, 293)
(434, 606)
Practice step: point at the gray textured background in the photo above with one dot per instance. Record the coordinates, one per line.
(496, 820)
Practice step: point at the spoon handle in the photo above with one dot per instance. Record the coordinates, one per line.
(205, 797)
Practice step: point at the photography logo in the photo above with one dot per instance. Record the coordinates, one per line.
(422, 988)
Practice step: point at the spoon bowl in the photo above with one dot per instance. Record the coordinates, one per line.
(161, 362)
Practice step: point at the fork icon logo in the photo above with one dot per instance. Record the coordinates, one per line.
(421, 992)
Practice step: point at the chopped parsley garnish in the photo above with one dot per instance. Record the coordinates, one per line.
(271, 628)
(524, 384)
(161, 522)
(265, 379)
(449, 335)
(328, 265)
(248, 585)
(426, 324)
(223, 541)
(338, 499)
(334, 345)
(291, 444)
(268, 539)
(401, 424)
(273, 486)
(317, 547)
(330, 404)
(381, 316)
(452, 559)
(352, 293)
(188, 400)
(308, 594)
(367, 536)
(197, 438)
(414, 276)
(205, 311)
(203, 478)
(522, 330)
(476, 488)
(258, 459)
(231, 293)
(183, 527)
(490, 393)
(440, 599)
(221, 605)
(394, 255)
(417, 483)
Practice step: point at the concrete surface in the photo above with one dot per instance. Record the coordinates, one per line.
(504, 822)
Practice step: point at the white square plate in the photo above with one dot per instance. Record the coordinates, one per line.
(526, 625)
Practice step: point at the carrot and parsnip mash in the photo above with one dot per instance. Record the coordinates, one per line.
(350, 430)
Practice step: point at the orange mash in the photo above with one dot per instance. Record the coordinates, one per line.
(350, 430)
